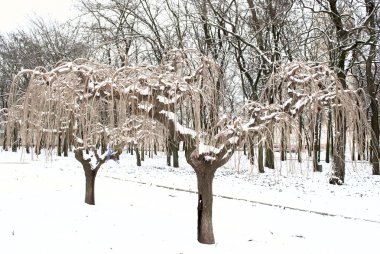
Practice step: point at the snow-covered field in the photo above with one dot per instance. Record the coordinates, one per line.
(152, 209)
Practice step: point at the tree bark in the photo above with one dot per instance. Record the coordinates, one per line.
(59, 146)
(328, 137)
(91, 172)
(283, 145)
(205, 228)
(269, 154)
(90, 186)
(260, 158)
(316, 166)
(339, 169)
(66, 146)
(300, 148)
(142, 153)
(138, 159)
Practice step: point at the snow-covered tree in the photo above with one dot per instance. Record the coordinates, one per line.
(93, 104)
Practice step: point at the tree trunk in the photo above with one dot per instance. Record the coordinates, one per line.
(59, 146)
(283, 145)
(338, 170)
(66, 146)
(269, 154)
(205, 198)
(375, 137)
(168, 153)
(328, 137)
(138, 160)
(353, 149)
(142, 153)
(260, 158)
(14, 143)
(90, 186)
(251, 155)
(300, 139)
(175, 156)
(316, 166)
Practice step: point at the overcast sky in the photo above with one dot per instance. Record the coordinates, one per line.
(16, 13)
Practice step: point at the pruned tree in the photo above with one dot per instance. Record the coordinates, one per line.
(75, 93)
(74, 100)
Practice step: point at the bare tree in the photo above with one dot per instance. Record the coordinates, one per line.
(73, 93)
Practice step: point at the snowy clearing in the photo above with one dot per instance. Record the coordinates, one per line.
(139, 210)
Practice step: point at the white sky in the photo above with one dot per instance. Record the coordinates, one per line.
(16, 13)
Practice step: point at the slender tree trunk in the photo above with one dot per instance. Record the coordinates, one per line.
(142, 153)
(283, 145)
(375, 137)
(138, 159)
(319, 137)
(90, 186)
(168, 153)
(59, 146)
(205, 199)
(251, 154)
(300, 148)
(175, 155)
(269, 154)
(66, 146)
(14, 143)
(328, 137)
(339, 169)
(260, 158)
(316, 166)
(353, 148)
(372, 88)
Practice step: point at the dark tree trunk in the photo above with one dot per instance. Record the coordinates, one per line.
(372, 88)
(251, 155)
(353, 149)
(300, 148)
(269, 154)
(375, 137)
(90, 186)
(260, 158)
(283, 145)
(59, 146)
(175, 157)
(142, 153)
(5, 147)
(138, 160)
(174, 147)
(66, 146)
(316, 166)
(14, 143)
(339, 169)
(168, 154)
(328, 137)
(91, 172)
(205, 229)
(319, 137)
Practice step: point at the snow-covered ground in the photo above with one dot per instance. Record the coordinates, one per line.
(152, 209)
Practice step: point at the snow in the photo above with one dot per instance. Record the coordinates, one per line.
(205, 149)
(179, 127)
(152, 208)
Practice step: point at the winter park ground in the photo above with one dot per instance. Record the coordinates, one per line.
(152, 209)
